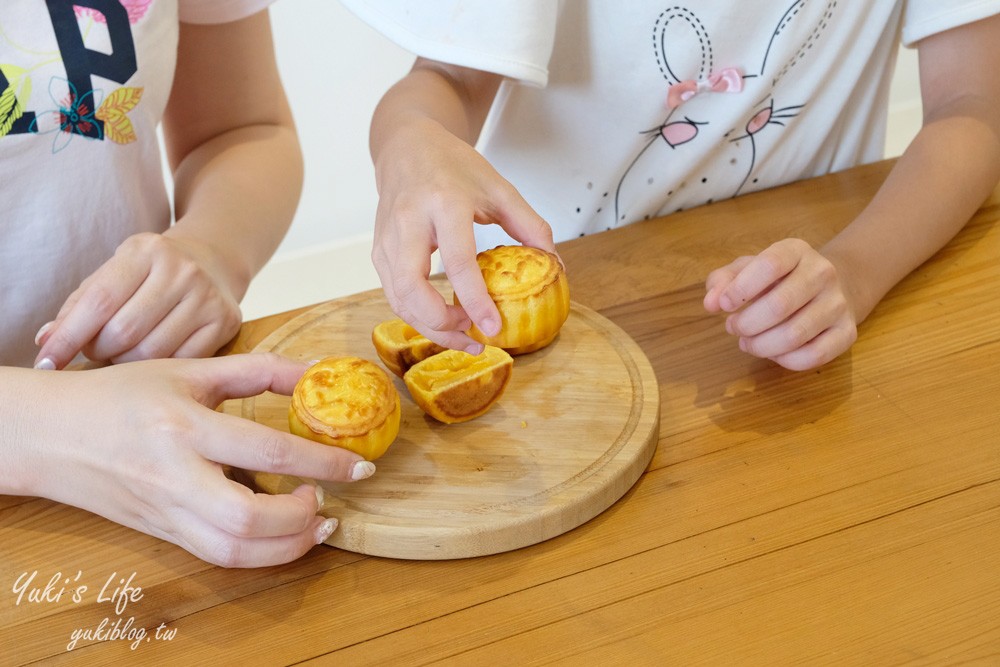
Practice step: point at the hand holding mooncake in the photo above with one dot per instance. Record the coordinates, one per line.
(531, 291)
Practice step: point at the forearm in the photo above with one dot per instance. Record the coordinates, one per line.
(432, 98)
(236, 195)
(26, 408)
(235, 155)
(933, 190)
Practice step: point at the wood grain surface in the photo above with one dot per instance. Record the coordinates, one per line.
(572, 432)
(848, 515)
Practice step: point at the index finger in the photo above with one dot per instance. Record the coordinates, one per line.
(521, 222)
(756, 277)
(241, 375)
(251, 446)
(100, 297)
(459, 258)
(415, 300)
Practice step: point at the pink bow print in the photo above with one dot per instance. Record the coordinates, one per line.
(728, 80)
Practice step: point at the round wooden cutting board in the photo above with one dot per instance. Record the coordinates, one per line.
(574, 430)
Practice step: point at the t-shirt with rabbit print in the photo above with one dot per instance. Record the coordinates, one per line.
(83, 86)
(614, 112)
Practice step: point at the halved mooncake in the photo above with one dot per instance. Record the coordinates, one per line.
(399, 345)
(454, 386)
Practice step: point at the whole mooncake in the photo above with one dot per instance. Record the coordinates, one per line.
(346, 402)
(531, 291)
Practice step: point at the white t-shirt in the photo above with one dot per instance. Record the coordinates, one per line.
(606, 132)
(84, 84)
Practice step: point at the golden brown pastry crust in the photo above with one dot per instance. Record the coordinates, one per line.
(347, 402)
(454, 386)
(399, 345)
(531, 291)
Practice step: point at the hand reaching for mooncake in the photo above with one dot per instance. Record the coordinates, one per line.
(141, 444)
(431, 189)
(531, 293)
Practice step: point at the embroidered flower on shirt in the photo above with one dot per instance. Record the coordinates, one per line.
(76, 115)
(73, 115)
(136, 10)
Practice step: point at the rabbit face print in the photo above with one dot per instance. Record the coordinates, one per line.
(720, 118)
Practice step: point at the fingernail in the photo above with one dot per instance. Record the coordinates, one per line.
(362, 470)
(313, 362)
(726, 302)
(729, 326)
(41, 332)
(490, 327)
(320, 496)
(46, 364)
(325, 530)
(475, 349)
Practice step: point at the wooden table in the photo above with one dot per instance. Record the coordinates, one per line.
(849, 514)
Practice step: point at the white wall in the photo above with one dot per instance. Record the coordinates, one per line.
(905, 109)
(335, 69)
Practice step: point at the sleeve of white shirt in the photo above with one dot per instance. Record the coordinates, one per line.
(929, 17)
(219, 11)
(512, 38)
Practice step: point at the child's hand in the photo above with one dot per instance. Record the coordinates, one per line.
(433, 186)
(140, 444)
(157, 297)
(788, 305)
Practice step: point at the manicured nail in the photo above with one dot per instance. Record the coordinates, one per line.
(41, 332)
(325, 530)
(362, 470)
(320, 496)
(46, 364)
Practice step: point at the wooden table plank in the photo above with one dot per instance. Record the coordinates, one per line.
(830, 502)
(682, 617)
(849, 514)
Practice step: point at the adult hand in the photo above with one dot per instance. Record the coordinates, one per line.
(787, 304)
(157, 296)
(432, 187)
(141, 445)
